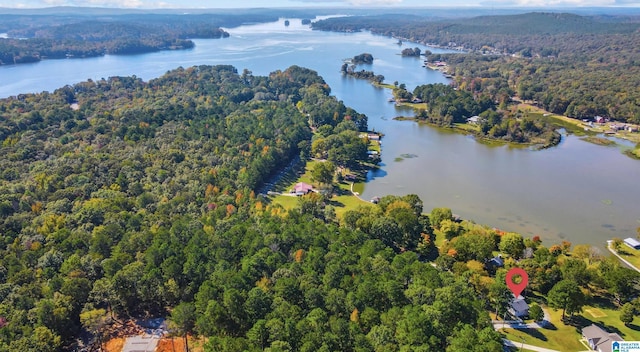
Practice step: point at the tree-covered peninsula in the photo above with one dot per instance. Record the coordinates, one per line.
(32, 38)
(578, 66)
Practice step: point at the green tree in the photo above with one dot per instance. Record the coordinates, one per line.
(512, 244)
(627, 313)
(183, 319)
(499, 294)
(566, 295)
(575, 270)
(438, 215)
(470, 339)
(323, 172)
(450, 229)
(621, 281)
(535, 312)
(94, 321)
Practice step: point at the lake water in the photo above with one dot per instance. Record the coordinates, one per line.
(576, 191)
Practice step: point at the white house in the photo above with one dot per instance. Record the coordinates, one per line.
(632, 242)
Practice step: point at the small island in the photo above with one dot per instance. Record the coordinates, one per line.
(351, 70)
(364, 58)
(416, 52)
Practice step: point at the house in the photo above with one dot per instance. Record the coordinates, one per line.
(373, 136)
(616, 127)
(375, 200)
(632, 128)
(350, 177)
(474, 120)
(600, 119)
(518, 307)
(598, 339)
(416, 100)
(632, 242)
(494, 263)
(302, 188)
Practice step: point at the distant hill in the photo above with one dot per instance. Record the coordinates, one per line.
(541, 23)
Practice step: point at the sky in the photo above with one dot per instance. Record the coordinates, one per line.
(147, 4)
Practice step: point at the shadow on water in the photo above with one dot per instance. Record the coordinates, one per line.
(376, 173)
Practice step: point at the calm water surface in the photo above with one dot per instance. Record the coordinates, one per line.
(577, 191)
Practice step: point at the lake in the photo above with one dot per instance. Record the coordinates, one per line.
(576, 191)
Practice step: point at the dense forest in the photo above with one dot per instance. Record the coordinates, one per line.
(123, 198)
(573, 65)
(94, 174)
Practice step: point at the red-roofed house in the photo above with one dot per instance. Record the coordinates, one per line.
(302, 188)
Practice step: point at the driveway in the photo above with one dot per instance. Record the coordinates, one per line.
(141, 343)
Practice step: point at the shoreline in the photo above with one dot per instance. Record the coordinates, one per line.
(615, 252)
(480, 139)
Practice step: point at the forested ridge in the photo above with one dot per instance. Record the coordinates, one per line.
(32, 38)
(573, 65)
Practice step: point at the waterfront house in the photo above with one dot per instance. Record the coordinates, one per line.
(474, 120)
(598, 339)
(616, 127)
(632, 242)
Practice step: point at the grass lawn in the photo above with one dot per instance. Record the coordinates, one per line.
(635, 153)
(384, 85)
(342, 202)
(418, 106)
(467, 127)
(287, 202)
(558, 337)
(629, 254)
(598, 140)
(575, 126)
(563, 337)
(609, 319)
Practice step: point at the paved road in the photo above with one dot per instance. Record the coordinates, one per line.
(525, 346)
(610, 247)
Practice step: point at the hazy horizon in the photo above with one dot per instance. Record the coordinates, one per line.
(215, 4)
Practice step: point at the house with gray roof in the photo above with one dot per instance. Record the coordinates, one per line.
(599, 339)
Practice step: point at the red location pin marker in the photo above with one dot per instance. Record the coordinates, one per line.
(517, 288)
